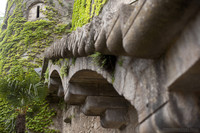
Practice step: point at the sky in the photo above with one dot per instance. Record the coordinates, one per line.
(2, 6)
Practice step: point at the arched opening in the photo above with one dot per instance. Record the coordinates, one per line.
(55, 87)
(34, 11)
(96, 97)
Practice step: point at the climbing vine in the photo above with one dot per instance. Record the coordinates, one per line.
(40, 117)
(84, 11)
(21, 43)
(106, 62)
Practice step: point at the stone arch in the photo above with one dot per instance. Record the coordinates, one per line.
(34, 11)
(90, 88)
(55, 85)
(97, 97)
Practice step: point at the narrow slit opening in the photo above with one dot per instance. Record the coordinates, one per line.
(38, 12)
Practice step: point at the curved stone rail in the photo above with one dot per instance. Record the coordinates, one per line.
(142, 30)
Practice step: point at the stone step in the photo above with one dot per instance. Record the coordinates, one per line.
(114, 118)
(76, 94)
(96, 105)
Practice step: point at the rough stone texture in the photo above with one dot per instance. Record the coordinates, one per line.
(83, 124)
(32, 15)
(79, 123)
(126, 31)
(65, 10)
(163, 92)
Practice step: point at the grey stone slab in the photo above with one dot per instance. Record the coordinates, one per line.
(114, 118)
(96, 105)
(76, 93)
(183, 60)
(156, 25)
(60, 91)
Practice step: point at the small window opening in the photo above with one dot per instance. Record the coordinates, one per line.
(38, 12)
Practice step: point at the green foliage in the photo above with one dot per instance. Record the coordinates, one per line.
(120, 61)
(61, 28)
(20, 44)
(21, 87)
(42, 119)
(51, 13)
(60, 2)
(104, 61)
(65, 68)
(97, 6)
(98, 59)
(18, 91)
(46, 76)
(7, 117)
(73, 60)
(22, 41)
(84, 10)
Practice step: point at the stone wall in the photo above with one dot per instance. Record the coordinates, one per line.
(156, 75)
(33, 11)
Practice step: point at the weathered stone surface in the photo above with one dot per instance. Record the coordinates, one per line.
(163, 92)
(128, 33)
(114, 118)
(83, 124)
(76, 94)
(60, 91)
(95, 105)
(32, 14)
(182, 60)
(140, 40)
(54, 84)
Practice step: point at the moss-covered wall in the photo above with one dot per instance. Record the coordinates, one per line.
(85, 10)
(22, 42)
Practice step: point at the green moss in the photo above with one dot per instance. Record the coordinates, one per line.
(84, 10)
(46, 76)
(60, 2)
(22, 41)
(20, 44)
(64, 70)
(120, 61)
(40, 118)
(106, 62)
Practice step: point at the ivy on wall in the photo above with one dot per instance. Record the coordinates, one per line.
(84, 11)
(42, 118)
(21, 43)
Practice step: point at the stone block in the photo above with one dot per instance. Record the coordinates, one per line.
(76, 94)
(114, 118)
(155, 26)
(96, 105)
